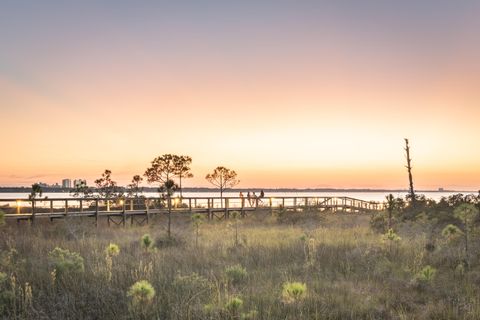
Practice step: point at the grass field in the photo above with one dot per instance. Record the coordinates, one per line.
(304, 265)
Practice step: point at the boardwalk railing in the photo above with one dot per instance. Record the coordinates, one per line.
(117, 210)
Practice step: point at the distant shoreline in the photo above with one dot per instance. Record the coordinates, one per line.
(199, 189)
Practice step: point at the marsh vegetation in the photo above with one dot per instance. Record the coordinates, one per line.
(294, 265)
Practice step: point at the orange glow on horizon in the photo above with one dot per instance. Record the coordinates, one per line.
(291, 98)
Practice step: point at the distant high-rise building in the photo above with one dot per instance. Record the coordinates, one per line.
(78, 183)
(66, 183)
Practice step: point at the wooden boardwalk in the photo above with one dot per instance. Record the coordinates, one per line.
(138, 210)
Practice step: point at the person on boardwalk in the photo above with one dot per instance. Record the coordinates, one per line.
(242, 199)
(259, 198)
(254, 199)
(249, 198)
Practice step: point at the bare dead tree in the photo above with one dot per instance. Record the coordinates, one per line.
(409, 168)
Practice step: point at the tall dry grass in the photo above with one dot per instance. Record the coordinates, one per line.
(348, 270)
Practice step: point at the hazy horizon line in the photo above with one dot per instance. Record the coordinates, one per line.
(278, 189)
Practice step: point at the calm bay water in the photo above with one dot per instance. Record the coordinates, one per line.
(367, 196)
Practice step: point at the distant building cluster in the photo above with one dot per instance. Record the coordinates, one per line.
(66, 184)
(79, 183)
(46, 185)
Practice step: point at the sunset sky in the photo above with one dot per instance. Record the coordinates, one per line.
(287, 93)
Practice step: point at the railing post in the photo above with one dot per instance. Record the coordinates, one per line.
(146, 207)
(209, 209)
(66, 207)
(51, 206)
(81, 205)
(190, 204)
(96, 212)
(242, 206)
(124, 215)
(32, 219)
(131, 204)
(226, 208)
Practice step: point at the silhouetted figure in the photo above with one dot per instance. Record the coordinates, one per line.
(254, 199)
(249, 198)
(262, 194)
(242, 199)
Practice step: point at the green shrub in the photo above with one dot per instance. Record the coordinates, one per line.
(64, 261)
(188, 287)
(236, 274)
(141, 292)
(451, 232)
(379, 221)
(252, 314)
(197, 218)
(293, 292)
(427, 274)
(147, 241)
(391, 236)
(168, 242)
(233, 305)
(7, 297)
(112, 250)
(467, 213)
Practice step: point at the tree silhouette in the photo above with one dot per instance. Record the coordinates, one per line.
(182, 169)
(390, 207)
(134, 188)
(36, 191)
(467, 213)
(107, 188)
(161, 171)
(222, 178)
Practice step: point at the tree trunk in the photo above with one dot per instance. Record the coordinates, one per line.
(169, 199)
(196, 238)
(409, 168)
(466, 244)
(221, 188)
(389, 218)
(236, 232)
(180, 185)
